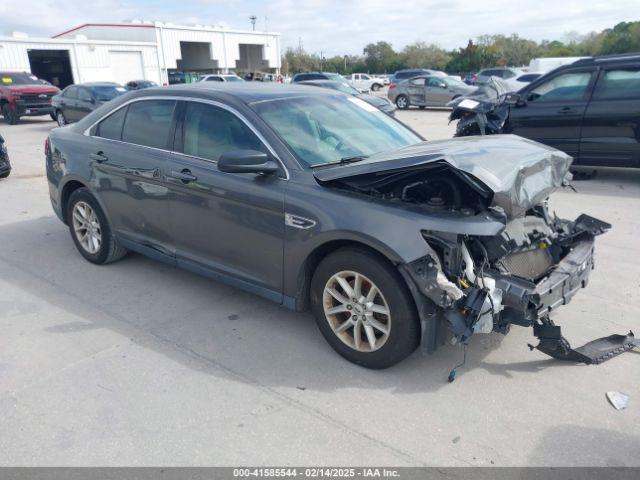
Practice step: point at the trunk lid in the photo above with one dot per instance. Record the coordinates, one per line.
(521, 173)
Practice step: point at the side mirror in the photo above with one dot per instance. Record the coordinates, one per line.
(246, 161)
(443, 85)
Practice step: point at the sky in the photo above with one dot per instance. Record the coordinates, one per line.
(337, 27)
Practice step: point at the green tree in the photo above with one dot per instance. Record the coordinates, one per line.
(421, 55)
(380, 57)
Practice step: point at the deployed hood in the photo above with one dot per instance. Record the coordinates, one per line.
(521, 173)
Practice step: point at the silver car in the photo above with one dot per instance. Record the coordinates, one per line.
(427, 91)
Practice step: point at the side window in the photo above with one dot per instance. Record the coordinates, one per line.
(111, 127)
(618, 84)
(365, 77)
(148, 123)
(568, 86)
(84, 94)
(417, 81)
(71, 92)
(302, 77)
(210, 131)
(214, 79)
(434, 82)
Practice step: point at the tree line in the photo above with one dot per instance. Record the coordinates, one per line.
(485, 51)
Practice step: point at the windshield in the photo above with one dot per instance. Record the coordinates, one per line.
(328, 129)
(107, 92)
(21, 79)
(345, 88)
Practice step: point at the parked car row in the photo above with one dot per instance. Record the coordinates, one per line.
(25, 95)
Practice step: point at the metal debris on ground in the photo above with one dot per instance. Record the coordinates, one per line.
(618, 400)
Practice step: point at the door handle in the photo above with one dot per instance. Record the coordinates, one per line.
(98, 157)
(565, 110)
(184, 176)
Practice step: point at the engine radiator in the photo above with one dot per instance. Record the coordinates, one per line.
(531, 264)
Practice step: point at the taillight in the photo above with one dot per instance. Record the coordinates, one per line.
(47, 147)
(392, 87)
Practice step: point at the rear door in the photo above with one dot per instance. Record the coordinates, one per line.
(611, 127)
(85, 102)
(68, 103)
(416, 90)
(436, 92)
(554, 109)
(226, 224)
(131, 151)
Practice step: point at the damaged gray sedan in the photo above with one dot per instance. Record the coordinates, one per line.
(317, 200)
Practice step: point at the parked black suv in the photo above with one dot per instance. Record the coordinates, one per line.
(589, 109)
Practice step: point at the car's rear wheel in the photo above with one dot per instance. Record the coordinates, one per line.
(363, 308)
(11, 117)
(90, 230)
(60, 118)
(402, 102)
(375, 87)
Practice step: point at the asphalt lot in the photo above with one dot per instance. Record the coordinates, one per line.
(137, 363)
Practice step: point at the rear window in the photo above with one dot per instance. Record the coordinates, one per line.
(8, 78)
(111, 127)
(618, 84)
(104, 93)
(148, 123)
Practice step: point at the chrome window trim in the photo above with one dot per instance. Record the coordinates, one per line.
(233, 111)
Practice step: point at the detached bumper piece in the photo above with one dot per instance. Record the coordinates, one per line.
(595, 352)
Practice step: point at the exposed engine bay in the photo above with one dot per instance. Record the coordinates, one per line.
(486, 283)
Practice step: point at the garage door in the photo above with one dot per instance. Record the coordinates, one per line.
(126, 66)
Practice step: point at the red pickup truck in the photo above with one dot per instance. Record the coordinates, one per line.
(23, 94)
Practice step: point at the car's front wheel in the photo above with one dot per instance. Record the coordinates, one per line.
(60, 118)
(375, 87)
(364, 309)
(402, 102)
(90, 230)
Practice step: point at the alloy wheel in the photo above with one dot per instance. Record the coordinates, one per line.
(402, 102)
(61, 120)
(87, 227)
(357, 311)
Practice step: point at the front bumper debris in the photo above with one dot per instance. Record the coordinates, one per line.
(595, 352)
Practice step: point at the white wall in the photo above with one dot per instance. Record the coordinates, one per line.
(90, 60)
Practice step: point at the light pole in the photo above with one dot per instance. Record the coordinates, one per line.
(253, 19)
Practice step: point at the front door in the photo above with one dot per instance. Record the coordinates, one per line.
(611, 128)
(85, 103)
(552, 111)
(225, 224)
(436, 92)
(131, 152)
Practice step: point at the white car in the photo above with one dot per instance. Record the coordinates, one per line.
(364, 82)
(221, 77)
(516, 83)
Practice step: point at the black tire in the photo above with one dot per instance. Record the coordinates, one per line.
(422, 107)
(375, 87)
(5, 174)
(404, 332)
(109, 250)
(402, 102)
(60, 118)
(9, 115)
(53, 116)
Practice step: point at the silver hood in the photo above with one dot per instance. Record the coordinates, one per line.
(520, 172)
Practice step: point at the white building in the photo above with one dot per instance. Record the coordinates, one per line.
(156, 51)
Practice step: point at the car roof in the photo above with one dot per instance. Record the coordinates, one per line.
(96, 84)
(625, 57)
(246, 92)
